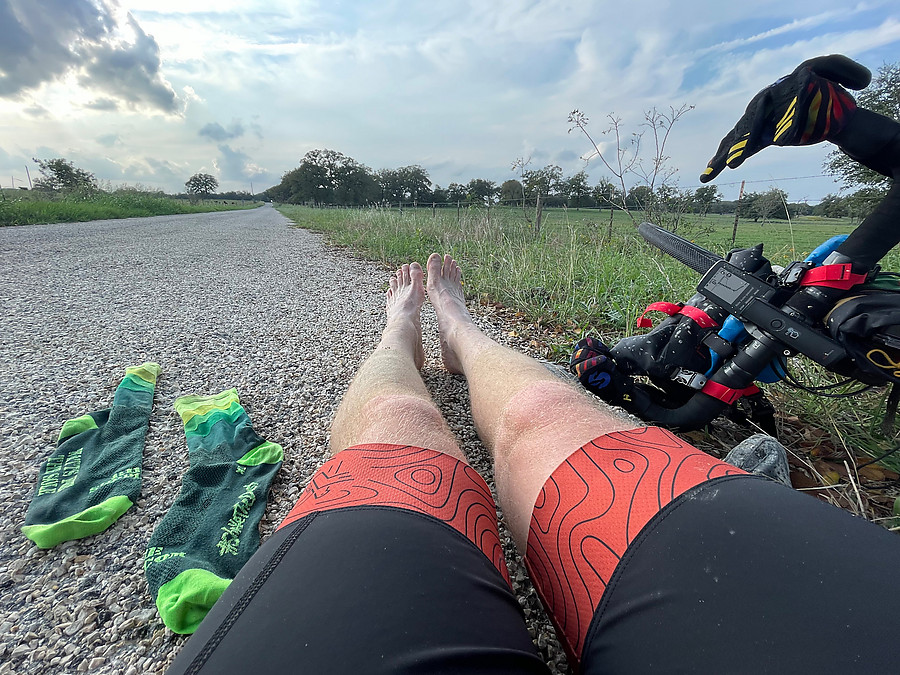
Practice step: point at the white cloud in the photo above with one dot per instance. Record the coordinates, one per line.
(462, 88)
(108, 52)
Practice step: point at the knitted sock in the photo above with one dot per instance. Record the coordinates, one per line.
(212, 528)
(94, 475)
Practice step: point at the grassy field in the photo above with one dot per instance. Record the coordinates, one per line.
(21, 207)
(580, 277)
(578, 273)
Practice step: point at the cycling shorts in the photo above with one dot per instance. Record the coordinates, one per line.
(649, 555)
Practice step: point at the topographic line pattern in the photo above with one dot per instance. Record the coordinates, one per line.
(593, 506)
(411, 478)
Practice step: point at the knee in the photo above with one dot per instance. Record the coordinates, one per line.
(552, 410)
(536, 407)
(402, 412)
(405, 420)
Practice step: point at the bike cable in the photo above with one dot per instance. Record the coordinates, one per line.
(791, 381)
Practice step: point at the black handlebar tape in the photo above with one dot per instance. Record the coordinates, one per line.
(684, 251)
(739, 372)
(699, 411)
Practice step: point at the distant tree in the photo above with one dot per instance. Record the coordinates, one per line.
(745, 207)
(543, 182)
(831, 206)
(770, 204)
(391, 185)
(280, 192)
(60, 175)
(200, 185)
(881, 96)
(723, 206)
(416, 182)
(511, 191)
(237, 195)
(576, 189)
(456, 193)
(355, 185)
(286, 190)
(861, 203)
(704, 197)
(439, 195)
(799, 209)
(671, 197)
(639, 198)
(608, 193)
(327, 177)
(406, 184)
(318, 176)
(481, 191)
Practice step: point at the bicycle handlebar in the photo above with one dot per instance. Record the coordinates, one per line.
(869, 138)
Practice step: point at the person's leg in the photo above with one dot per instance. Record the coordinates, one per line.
(576, 481)
(651, 556)
(527, 417)
(387, 402)
(390, 561)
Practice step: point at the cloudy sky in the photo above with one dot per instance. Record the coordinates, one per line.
(152, 91)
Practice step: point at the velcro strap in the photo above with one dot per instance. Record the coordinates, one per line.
(669, 308)
(727, 394)
(700, 317)
(833, 276)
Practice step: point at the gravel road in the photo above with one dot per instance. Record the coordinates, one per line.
(235, 299)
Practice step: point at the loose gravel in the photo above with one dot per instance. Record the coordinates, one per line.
(235, 299)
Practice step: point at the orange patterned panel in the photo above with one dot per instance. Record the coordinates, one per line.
(407, 477)
(593, 506)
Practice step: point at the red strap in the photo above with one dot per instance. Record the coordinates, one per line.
(701, 318)
(832, 276)
(727, 394)
(669, 308)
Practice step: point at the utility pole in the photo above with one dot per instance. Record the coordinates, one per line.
(28, 173)
(737, 210)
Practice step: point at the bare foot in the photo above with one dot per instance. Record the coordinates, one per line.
(446, 295)
(404, 305)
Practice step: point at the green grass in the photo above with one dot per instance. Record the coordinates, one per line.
(579, 277)
(577, 273)
(20, 207)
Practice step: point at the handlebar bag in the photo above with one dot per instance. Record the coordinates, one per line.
(675, 343)
(867, 325)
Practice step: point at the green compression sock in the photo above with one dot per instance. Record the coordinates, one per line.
(94, 475)
(212, 528)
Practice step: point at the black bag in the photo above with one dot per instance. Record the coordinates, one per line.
(867, 325)
(675, 345)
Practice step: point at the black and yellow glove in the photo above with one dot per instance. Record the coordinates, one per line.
(808, 106)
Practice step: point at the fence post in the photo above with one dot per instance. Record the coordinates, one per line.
(457, 212)
(737, 210)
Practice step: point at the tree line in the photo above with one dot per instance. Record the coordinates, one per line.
(328, 177)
